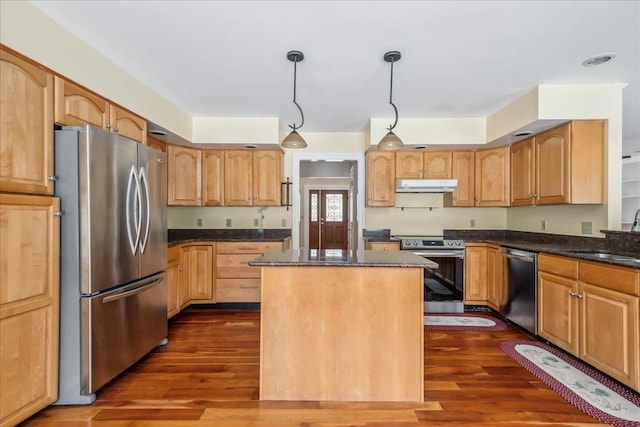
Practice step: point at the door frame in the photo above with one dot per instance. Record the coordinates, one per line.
(296, 227)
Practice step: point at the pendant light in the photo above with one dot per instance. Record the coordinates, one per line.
(391, 140)
(294, 140)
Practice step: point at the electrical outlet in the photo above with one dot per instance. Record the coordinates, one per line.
(256, 222)
(587, 227)
(543, 225)
(284, 222)
(228, 222)
(472, 223)
(199, 222)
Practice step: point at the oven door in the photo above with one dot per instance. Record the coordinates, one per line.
(443, 286)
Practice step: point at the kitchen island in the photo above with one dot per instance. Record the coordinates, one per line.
(342, 325)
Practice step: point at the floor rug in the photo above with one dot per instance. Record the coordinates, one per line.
(462, 322)
(582, 386)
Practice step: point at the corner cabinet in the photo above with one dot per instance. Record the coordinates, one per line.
(77, 106)
(381, 172)
(26, 126)
(592, 310)
(29, 301)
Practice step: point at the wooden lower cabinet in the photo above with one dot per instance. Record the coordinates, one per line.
(495, 277)
(592, 310)
(29, 301)
(197, 283)
(483, 275)
(174, 277)
(236, 280)
(383, 246)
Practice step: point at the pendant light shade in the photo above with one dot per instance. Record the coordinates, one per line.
(294, 140)
(391, 141)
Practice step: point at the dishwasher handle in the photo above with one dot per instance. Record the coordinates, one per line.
(519, 255)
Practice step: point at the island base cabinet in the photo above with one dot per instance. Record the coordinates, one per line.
(317, 345)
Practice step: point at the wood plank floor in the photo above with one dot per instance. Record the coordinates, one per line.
(208, 376)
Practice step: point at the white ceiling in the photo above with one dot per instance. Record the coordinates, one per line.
(459, 58)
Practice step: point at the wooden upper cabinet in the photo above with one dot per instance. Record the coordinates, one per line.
(238, 181)
(155, 143)
(380, 178)
(127, 124)
(423, 164)
(569, 163)
(212, 177)
(77, 106)
(409, 164)
(492, 177)
(267, 176)
(437, 164)
(184, 176)
(522, 173)
(462, 169)
(26, 126)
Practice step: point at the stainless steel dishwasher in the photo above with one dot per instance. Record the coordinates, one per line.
(520, 304)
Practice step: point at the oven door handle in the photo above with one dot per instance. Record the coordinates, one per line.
(440, 254)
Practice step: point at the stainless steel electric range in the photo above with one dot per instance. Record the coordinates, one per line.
(443, 286)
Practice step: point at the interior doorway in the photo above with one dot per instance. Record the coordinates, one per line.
(337, 175)
(328, 220)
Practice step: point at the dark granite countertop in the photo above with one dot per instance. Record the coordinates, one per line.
(183, 235)
(339, 258)
(585, 248)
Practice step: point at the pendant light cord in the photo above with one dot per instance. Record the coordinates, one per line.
(295, 66)
(390, 128)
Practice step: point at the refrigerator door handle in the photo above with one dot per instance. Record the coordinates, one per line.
(145, 183)
(127, 294)
(132, 177)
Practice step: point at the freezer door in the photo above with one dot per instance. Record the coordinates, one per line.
(152, 167)
(120, 327)
(106, 165)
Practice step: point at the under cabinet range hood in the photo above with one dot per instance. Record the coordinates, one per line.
(426, 185)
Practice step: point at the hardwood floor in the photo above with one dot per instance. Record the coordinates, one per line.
(208, 376)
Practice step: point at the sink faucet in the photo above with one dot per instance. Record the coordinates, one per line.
(636, 222)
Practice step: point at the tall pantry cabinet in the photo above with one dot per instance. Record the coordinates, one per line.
(29, 241)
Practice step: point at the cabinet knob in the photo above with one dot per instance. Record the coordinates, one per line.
(580, 296)
(115, 129)
(198, 197)
(573, 294)
(179, 268)
(58, 213)
(52, 178)
(108, 126)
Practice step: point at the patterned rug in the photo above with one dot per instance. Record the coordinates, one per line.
(462, 322)
(581, 385)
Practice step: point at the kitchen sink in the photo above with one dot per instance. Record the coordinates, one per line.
(604, 255)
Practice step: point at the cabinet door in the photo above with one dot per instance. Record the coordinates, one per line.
(552, 161)
(200, 271)
(495, 277)
(76, 106)
(609, 323)
(212, 177)
(267, 176)
(475, 275)
(173, 281)
(558, 311)
(156, 144)
(437, 164)
(409, 164)
(184, 291)
(381, 172)
(522, 173)
(26, 126)
(127, 124)
(29, 300)
(238, 181)
(184, 176)
(492, 177)
(462, 169)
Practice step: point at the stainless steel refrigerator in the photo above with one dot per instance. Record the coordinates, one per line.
(113, 256)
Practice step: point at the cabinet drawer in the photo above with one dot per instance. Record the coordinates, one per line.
(561, 266)
(618, 279)
(236, 266)
(247, 247)
(238, 290)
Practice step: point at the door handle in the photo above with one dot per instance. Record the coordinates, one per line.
(144, 181)
(132, 244)
(127, 294)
